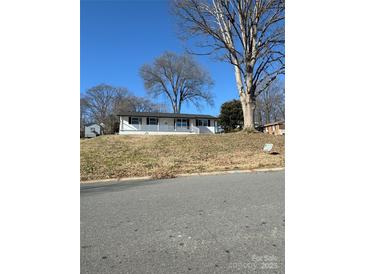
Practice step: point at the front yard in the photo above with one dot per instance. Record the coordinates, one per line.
(116, 156)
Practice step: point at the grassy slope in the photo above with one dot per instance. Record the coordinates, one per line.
(163, 156)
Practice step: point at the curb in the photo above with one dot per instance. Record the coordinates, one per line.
(232, 171)
(184, 175)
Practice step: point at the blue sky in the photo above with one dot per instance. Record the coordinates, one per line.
(118, 37)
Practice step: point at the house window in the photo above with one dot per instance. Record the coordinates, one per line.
(152, 121)
(202, 122)
(92, 129)
(136, 121)
(181, 122)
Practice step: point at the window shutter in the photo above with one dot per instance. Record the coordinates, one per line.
(130, 120)
(209, 123)
(196, 123)
(188, 123)
(148, 120)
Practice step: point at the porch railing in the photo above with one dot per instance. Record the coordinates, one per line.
(164, 128)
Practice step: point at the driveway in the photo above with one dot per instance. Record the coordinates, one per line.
(202, 224)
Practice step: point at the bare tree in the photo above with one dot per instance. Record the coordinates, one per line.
(179, 78)
(140, 104)
(100, 101)
(249, 34)
(99, 104)
(102, 104)
(270, 106)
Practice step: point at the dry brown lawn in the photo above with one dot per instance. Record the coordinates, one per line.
(165, 156)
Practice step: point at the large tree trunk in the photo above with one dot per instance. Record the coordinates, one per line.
(248, 107)
(247, 101)
(174, 106)
(179, 108)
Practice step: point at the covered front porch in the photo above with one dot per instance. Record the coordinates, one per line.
(165, 125)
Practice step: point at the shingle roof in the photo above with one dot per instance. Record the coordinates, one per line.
(166, 115)
(92, 124)
(274, 123)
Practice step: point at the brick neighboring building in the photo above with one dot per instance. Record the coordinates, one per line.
(276, 128)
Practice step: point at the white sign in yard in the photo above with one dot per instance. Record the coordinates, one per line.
(268, 147)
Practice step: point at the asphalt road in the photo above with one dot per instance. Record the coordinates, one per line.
(208, 224)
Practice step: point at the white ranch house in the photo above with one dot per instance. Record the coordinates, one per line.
(166, 123)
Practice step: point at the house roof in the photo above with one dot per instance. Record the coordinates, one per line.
(92, 124)
(274, 123)
(166, 115)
